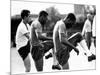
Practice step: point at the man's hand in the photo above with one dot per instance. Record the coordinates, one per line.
(41, 45)
(50, 38)
(77, 51)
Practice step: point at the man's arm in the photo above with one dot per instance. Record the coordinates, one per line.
(83, 31)
(27, 35)
(63, 37)
(64, 41)
(24, 32)
(42, 37)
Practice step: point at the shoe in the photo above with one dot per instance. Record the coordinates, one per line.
(27, 71)
(56, 67)
(92, 57)
(48, 56)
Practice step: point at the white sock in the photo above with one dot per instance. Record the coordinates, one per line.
(55, 61)
(84, 46)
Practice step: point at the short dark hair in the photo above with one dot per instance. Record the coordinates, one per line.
(71, 16)
(43, 13)
(24, 13)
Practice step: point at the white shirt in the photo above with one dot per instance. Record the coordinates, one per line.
(94, 27)
(87, 27)
(21, 39)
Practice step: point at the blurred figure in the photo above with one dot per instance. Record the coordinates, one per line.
(22, 39)
(40, 44)
(87, 29)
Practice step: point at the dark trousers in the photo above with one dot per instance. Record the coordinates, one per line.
(64, 51)
(38, 52)
(24, 51)
(94, 41)
(88, 39)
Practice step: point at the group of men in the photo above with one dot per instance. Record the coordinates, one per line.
(31, 39)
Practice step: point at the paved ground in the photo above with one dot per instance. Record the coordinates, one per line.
(75, 62)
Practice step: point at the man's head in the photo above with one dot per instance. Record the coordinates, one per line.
(70, 20)
(90, 16)
(43, 17)
(25, 15)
